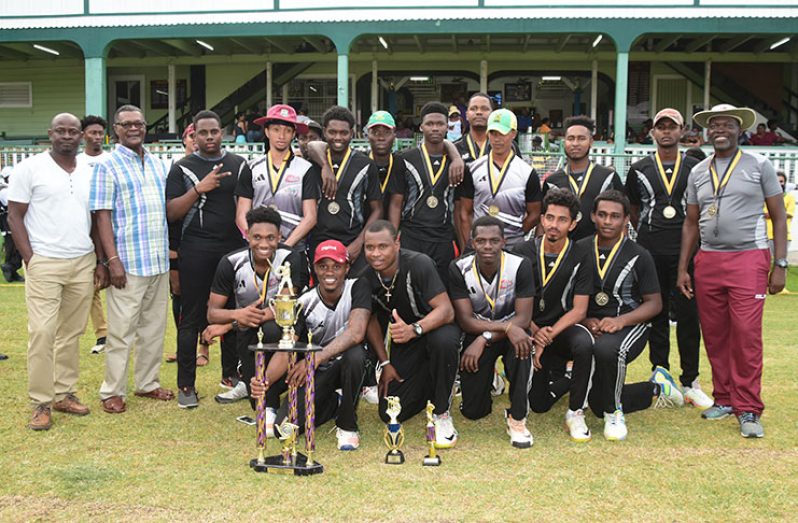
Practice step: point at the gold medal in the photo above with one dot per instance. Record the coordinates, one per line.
(579, 216)
(542, 305)
(493, 210)
(712, 210)
(669, 212)
(333, 208)
(602, 299)
(432, 201)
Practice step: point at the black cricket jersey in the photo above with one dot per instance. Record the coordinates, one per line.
(631, 274)
(572, 277)
(388, 175)
(601, 178)
(210, 222)
(492, 299)
(236, 277)
(416, 283)
(428, 206)
(646, 188)
(343, 218)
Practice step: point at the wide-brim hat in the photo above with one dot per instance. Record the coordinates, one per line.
(744, 115)
(282, 113)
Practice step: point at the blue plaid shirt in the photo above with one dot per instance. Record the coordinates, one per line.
(135, 193)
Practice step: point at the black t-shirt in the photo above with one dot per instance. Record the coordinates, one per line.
(427, 211)
(646, 188)
(210, 223)
(344, 218)
(601, 179)
(631, 275)
(418, 274)
(520, 283)
(388, 181)
(574, 276)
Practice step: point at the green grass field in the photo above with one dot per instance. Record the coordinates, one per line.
(159, 463)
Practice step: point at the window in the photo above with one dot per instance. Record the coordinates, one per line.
(16, 94)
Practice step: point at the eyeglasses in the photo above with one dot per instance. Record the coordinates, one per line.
(131, 125)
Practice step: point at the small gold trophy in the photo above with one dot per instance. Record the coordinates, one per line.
(432, 459)
(288, 435)
(284, 306)
(394, 435)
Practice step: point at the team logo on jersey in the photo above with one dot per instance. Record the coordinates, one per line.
(292, 178)
(505, 284)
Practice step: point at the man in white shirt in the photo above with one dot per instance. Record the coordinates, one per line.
(94, 128)
(50, 219)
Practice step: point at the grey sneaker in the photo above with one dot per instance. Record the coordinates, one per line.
(750, 426)
(187, 398)
(717, 412)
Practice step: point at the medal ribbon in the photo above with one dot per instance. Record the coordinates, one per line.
(669, 184)
(274, 180)
(602, 270)
(718, 185)
(434, 176)
(384, 184)
(579, 190)
(341, 167)
(546, 277)
(491, 301)
(496, 183)
(470, 144)
(262, 292)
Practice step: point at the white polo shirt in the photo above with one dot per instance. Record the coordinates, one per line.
(58, 220)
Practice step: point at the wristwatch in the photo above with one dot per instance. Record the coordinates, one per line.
(488, 335)
(781, 263)
(417, 329)
(235, 325)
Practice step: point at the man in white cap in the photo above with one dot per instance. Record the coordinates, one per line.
(657, 188)
(725, 197)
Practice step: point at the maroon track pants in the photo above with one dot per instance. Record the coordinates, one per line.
(730, 290)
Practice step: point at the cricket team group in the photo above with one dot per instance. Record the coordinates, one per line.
(416, 270)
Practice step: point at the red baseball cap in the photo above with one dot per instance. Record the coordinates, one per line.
(282, 113)
(188, 130)
(332, 249)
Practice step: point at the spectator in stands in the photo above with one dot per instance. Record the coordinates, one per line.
(240, 128)
(404, 128)
(762, 137)
(524, 120)
(544, 126)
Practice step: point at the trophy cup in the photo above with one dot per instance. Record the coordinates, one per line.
(394, 435)
(432, 459)
(289, 461)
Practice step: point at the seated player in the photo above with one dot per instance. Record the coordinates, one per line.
(250, 276)
(413, 323)
(565, 282)
(335, 313)
(626, 297)
(492, 293)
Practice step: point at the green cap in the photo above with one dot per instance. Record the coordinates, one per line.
(383, 118)
(502, 120)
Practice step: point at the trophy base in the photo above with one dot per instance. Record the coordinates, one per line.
(395, 457)
(275, 465)
(430, 461)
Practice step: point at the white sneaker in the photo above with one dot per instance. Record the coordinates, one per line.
(497, 387)
(371, 395)
(271, 418)
(237, 393)
(347, 440)
(575, 423)
(445, 433)
(670, 395)
(697, 397)
(615, 426)
(520, 437)
(99, 347)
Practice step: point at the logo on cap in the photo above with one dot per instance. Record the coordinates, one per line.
(283, 112)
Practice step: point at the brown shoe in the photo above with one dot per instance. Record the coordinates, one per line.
(158, 394)
(114, 405)
(41, 419)
(71, 405)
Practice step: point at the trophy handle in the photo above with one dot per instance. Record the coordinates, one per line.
(271, 306)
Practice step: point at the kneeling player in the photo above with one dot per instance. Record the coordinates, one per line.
(412, 309)
(336, 313)
(565, 282)
(626, 297)
(492, 293)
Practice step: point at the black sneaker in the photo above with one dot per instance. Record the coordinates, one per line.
(99, 346)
